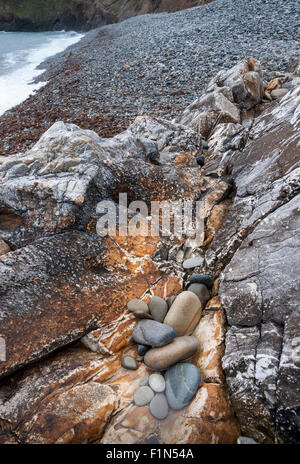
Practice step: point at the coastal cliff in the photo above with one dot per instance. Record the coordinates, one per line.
(80, 15)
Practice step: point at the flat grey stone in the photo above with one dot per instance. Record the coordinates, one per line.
(143, 396)
(170, 300)
(159, 406)
(139, 308)
(192, 262)
(153, 333)
(157, 383)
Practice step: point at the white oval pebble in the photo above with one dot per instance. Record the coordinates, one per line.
(157, 383)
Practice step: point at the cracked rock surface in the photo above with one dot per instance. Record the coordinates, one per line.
(259, 287)
(61, 282)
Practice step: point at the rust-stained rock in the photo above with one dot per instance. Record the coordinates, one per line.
(112, 337)
(58, 289)
(208, 419)
(210, 333)
(78, 415)
(4, 247)
(213, 304)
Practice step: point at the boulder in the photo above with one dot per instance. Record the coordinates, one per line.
(245, 82)
(207, 111)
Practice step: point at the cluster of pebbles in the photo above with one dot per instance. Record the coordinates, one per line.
(164, 340)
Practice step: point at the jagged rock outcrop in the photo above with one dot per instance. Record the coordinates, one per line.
(60, 281)
(259, 287)
(27, 15)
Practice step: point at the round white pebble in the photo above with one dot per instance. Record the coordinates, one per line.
(157, 383)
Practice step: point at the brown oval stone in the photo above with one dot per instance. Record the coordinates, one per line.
(180, 349)
(184, 313)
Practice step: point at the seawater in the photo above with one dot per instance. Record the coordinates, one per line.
(20, 54)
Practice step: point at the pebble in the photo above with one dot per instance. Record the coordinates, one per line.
(129, 362)
(144, 381)
(182, 382)
(153, 333)
(142, 349)
(202, 279)
(180, 349)
(139, 308)
(184, 313)
(192, 262)
(201, 291)
(157, 383)
(200, 160)
(159, 406)
(158, 308)
(143, 396)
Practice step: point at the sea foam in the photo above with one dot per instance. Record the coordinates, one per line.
(18, 68)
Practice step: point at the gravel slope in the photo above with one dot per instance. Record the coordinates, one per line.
(153, 64)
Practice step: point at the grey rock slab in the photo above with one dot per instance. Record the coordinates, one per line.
(153, 333)
(159, 406)
(182, 382)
